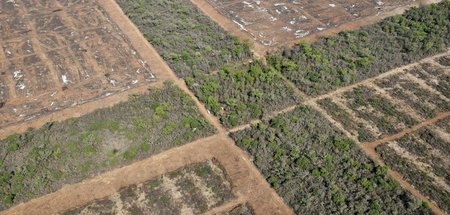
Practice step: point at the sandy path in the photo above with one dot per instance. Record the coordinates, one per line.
(247, 182)
(341, 90)
(412, 129)
(369, 150)
(227, 206)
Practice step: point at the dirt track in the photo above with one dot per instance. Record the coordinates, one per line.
(344, 89)
(247, 182)
(369, 148)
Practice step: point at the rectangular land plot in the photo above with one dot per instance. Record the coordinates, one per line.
(390, 103)
(238, 94)
(187, 39)
(42, 161)
(436, 76)
(193, 189)
(276, 23)
(376, 109)
(316, 169)
(422, 158)
(52, 53)
(425, 102)
(353, 56)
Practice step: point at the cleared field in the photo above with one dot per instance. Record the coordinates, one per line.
(60, 54)
(276, 23)
(188, 40)
(422, 158)
(194, 189)
(237, 94)
(316, 169)
(43, 160)
(390, 104)
(352, 56)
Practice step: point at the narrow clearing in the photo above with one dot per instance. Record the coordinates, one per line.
(333, 94)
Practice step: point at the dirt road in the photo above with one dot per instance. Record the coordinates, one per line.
(248, 184)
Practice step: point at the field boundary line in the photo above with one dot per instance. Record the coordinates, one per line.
(407, 131)
(341, 90)
(248, 185)
(373, 155)
(114, 10)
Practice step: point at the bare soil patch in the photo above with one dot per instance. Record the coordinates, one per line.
(57, 55)
(274, 24)
(193, 189)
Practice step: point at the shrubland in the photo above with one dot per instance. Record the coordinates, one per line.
(352, 56)
(41, 161)
(186, 38)
(237, 94)
(316, 169)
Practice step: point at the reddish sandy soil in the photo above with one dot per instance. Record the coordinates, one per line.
(277, 23)
(46, 97)
(247, 183)
(57, 55)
